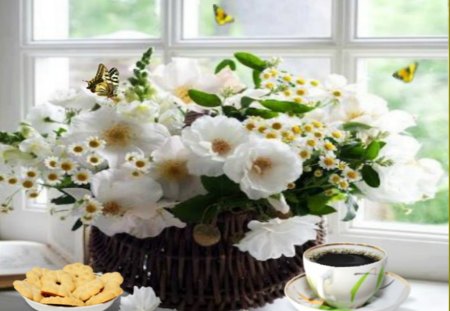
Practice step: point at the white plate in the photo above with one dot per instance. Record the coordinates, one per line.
(42, 307)
(394, 291)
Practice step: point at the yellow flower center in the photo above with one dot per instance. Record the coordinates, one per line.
(337, 93)
(300, 92)
(262, 129)
(27, 184)
(82, 177)
(311, 142)
(2, 178)
(317, 124)
(33, 195)
(261, 165)
(90, 208)
(266, 75)
(94, 160)
(329, 146)
(52, 176)
(269, 85)
(296, 129)
(304, 154)
(287, 93)
(291, 185)
(271, 135)
(276, 125)
(119, 135)
(12, 181)
(335, 178)
(52, 163)
(318, 173)
(314, 83)
(221, 146)
(250, 126)
(328, 161)
(336, 134)
(182, 92)
(112, 208)
(140, 163)
(352, 175)
(300, 81)
(174, 170)
(94, 143)
(308, 128)
(31, 174)
(78, 149)
(66, 166)
(298, 100)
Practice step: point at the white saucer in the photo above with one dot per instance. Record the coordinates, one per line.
(42, 307)
(394, 291)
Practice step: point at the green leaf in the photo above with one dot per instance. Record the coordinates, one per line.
(372, 150)
(11, 138)
(246, 101)
(232, 112)
(197, 209)
(263, 113)
(380, 278)
(251, 61)
(352, 151)
(256, 76)
(358, 284)
(204, 99)
(317, 205)
(220, 186)
(224, 63)
(370, 176)
(355, 126)
(352, 208)
(285, 106)
(63, 199)
(78, 224)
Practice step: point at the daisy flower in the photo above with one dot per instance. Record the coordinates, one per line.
(51, 162)
(351, 175)
(94, 159)
(90, 209)
(334, 179)
(32, 193)
(68, 166)
(328, 161)
(77, 149)
(12, 180)
(95, 143)
(31, 173)
(82, 177)
(28, 183)
(305, 154)
(141, 163)
(53, 177)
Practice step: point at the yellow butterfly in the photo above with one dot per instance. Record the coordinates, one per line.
(105, 82)
(222, 18)
(406, 74)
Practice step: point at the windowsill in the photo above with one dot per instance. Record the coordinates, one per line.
(423, 295)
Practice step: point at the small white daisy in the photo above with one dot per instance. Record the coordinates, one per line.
(68, 166)
(131, 156)
(305, 154)
(90, 209)
(95, 159)
(51, 162)
(334, 179)
(12, 180)
(31, 173)
(53, 178)
(32, 193)
(77, 149)
(351, 174)
(82, 177)
(28, 183)
(141, 163)
(343, 184)
(328, 161)
(95, 143)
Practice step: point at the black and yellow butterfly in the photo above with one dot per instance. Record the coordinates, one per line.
(222, 18)
(105, 82)
(406, 74)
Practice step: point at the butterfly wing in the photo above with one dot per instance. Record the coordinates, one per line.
(222, 18)
(99, 78)
(406, 74)
(114, 79)
(105, 89)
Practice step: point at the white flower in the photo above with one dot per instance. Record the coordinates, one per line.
(169, 167)
(278, 202)
(94, 159)
(53, 177)
(31, 172)
(405, 182)
(328, 161)
(28, 183)
(212, 141)
(235, 100)
(140, 163)
(351, 175)
(121, 134)
(395, 121)
(229, 81)
(263, 167)
(171, 115)
(399, 148)
(142, 299)
(51, 162)
(278, 237)
(67, 166)
(77, 149)
(73, 98)
(32, 193)
(36, 145)
(90, 209)
(336, 87)
(94, 143)
(183, 74)
(82, 177)
(46, 118)
(146, 111)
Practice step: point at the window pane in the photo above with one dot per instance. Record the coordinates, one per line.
(426, 97)
(402, 18)
(258, 18)
(99, 19)
(53, 73)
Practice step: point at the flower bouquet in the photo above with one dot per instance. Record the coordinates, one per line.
(212, 186)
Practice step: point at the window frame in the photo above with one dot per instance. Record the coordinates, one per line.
(343, 48)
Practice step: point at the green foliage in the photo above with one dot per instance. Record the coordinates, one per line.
(265, 114)
(198, 209)
(225, 63)
(77, 225)
(251, 61)
(317, 205)
(220, 186)
(12, 139)
(285, 106)
(204, 99)
(372, 150)
(353, 151)
(256, 76)
(355, 126)
(63, 199)
(370, 176)
(140, 87)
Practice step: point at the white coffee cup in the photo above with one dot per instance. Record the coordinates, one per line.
(345, 287)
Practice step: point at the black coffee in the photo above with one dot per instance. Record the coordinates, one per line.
(336, 259)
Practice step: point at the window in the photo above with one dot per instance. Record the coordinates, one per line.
(60, 42)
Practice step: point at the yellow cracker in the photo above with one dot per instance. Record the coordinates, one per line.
(57, 283)
(63, 301)
(112, 277)
(111, 291)
(28, 290)
(89, 289)
(81, 274)
(34, 276)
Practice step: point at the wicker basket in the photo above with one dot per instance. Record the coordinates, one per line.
(187, 276)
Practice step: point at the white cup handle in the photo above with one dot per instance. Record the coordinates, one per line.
(328, 275)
